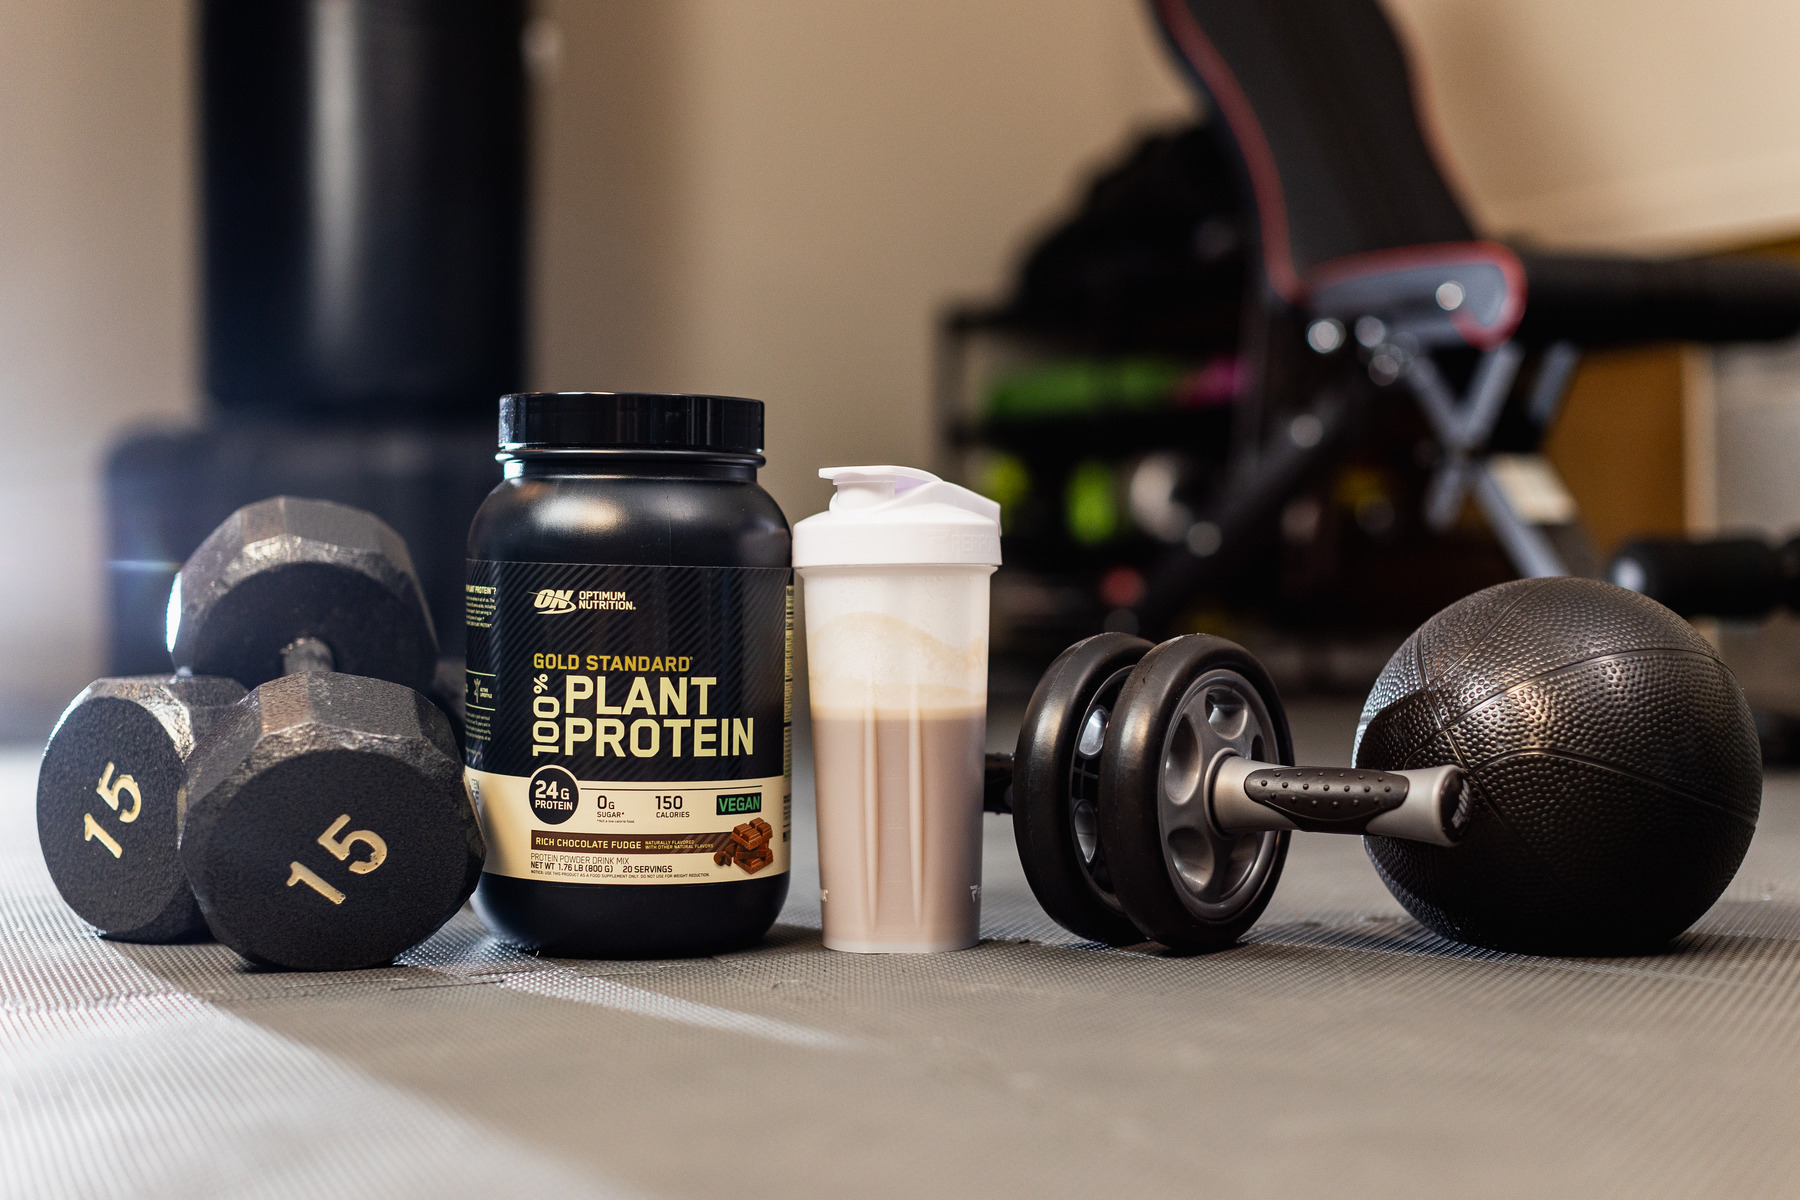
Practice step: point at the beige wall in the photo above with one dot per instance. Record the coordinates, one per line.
(1637, 124)
(773, 198)
(804, 183)
(96, 304)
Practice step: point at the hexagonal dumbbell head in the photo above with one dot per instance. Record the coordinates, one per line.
(285, 569)
(327, 825)
(109, 802)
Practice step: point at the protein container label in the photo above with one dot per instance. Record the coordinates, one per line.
(630, 724)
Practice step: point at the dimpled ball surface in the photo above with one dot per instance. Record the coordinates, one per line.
(1615, 768)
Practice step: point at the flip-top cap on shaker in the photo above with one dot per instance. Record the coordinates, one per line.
(895, 580)
(898, 515)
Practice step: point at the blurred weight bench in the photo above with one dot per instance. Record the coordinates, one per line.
(1362, 250)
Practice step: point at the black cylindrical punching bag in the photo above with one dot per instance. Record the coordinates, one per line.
(364, 192)
(363, 198)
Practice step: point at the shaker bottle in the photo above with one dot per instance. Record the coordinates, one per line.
(895, 580)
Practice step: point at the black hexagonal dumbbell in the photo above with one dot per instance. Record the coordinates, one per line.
(279, 595)
(327, 826)
(109, 796)
(284, 571)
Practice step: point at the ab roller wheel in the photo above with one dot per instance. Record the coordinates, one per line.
(1191, 703)
(1154, 791)
(1056, 787)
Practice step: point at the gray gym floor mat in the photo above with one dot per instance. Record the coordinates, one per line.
(1342, 1051)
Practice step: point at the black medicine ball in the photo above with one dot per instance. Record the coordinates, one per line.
(1613, 760)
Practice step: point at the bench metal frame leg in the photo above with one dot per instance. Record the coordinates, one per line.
(1541, 539)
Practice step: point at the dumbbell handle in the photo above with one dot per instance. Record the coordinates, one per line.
(306, 654)
(1432, 805)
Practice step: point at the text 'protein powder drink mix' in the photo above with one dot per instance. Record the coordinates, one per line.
(630, 624)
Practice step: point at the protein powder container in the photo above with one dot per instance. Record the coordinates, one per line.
(630, 625)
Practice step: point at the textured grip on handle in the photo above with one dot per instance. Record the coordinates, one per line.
(1431, 805)
(1325, 800)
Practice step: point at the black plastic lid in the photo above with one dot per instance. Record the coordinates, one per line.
(630, 420)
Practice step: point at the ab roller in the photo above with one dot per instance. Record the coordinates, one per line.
(1548, 766)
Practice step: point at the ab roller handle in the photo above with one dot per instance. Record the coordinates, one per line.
(1421, 806)
(1430, 806)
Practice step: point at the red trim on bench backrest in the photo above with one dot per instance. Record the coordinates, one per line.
(1234, 106)
(1382, 262)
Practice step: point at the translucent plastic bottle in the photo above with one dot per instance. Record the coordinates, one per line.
(896, 582)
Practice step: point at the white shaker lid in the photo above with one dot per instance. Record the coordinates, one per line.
(895, 515)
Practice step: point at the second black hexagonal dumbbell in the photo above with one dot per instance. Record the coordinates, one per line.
(282, 593)
(327, 825)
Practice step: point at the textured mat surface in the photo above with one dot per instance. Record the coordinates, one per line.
(1341, 1052)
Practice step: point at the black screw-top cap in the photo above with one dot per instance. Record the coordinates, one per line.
(630, 420)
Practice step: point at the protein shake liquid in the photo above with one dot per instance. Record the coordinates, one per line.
(629, 612)
(896, 590)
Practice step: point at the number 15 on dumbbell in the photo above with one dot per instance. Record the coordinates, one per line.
(301, 873)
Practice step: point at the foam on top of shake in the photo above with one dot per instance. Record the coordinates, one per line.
(866, 659)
